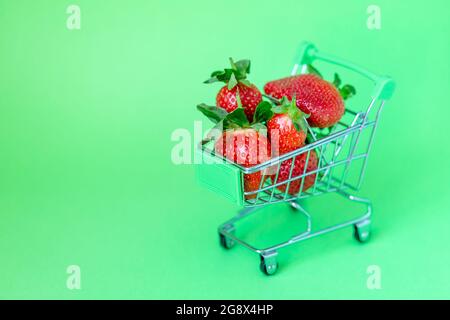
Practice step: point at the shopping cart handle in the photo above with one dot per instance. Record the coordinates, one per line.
(384, 85)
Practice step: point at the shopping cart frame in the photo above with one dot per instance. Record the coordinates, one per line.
(345, 134)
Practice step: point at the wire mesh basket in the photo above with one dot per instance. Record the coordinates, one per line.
(333, 161)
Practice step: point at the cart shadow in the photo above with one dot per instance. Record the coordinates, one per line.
(323, 249)
(280, 223)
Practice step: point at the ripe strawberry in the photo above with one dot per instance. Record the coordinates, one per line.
(247, 147)
(298, 169)
(314, 96)
(237, 85)
(240, 141)
(250, 97)
(287, 129)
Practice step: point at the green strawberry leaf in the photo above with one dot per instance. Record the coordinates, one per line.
(217, 73)
(298, 117)
(347, 91)
(213, 113)
(238, 72)
(233, 65)
(285, 101)
(232, 82)
(260, 127)
(272, 99)
(337, 80)
(263, 112)
(301, 124)
(279, 109)
(245, 82)
(215, 131)
(281, 106)
(238, 99)
(220, 76)
(310, 138)
(243, 67)
(313, 70)
(236, 118)
(211, 80)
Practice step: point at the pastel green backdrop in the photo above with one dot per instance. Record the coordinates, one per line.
(86, 176)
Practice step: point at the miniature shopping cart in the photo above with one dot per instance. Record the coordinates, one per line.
(345, 144)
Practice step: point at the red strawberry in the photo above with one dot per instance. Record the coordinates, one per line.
(314, 96)
(237, 85)
(241, 142)
(250, 98)
(247, 147)
(287, 129)
(298, 169)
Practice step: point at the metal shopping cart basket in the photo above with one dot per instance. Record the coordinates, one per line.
(346, 143)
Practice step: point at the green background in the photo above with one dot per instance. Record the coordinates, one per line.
(86, 176)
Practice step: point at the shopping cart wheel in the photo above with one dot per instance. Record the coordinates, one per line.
(269, 264)
(362, 231)
(225, 241)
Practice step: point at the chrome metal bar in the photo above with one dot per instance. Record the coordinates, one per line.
(369, 147)
(286, 156)
(332, 165)
(319, 165)
(333, 161)
(358, 135)
(289, 177)
(275, 181)
(302, 182)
